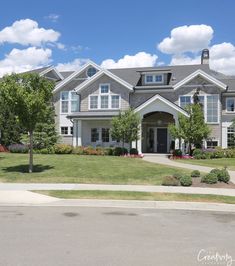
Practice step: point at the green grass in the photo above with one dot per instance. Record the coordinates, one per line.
(82, 169)
(215, 163)
(127, 195)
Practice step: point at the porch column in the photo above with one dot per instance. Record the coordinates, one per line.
(139, 142)
(77, 133)
(177, 142)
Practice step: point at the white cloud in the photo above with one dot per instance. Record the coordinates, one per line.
(187, 39)
(141, 59)
(53, 17)
(27, 32)
(73, 65)
(24, 60)
(222, 58)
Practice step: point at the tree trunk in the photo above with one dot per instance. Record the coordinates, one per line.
(30, 151)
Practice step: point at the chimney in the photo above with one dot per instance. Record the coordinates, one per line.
(205, 57)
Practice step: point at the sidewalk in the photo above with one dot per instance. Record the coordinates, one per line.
(164, 160)
(140, 188)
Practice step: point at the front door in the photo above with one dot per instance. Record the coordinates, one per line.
(162, 140)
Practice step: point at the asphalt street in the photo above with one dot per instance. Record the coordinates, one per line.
(69, 236)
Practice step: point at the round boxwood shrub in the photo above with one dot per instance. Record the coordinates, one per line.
(63, 149)
(223, 176)
(170, 181)
(195, 173)
(197, 154)
(118, 151)
(134, 151)
(18, 148)
(186, 181)
(210, 178)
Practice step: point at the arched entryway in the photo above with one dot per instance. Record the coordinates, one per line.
(155, 134)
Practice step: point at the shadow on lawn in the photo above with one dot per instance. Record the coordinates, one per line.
(24, 168)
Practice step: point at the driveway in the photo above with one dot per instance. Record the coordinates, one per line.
(74, 236)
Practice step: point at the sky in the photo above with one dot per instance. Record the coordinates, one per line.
(115, 34)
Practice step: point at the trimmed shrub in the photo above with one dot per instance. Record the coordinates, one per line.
(49, 150)
(223, 176)
(118, 151)
(218, 153)
(170, 181)
(78, 150)
(177, 153)
(215, 171)
(210, 178)
(18, 148)
(197, 154)
(186, 181)
(195, 173)
(177, 176)
(63, 149)
(109, 151)
(134, 151)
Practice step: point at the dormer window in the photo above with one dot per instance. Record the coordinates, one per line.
(91, 71)
(153, 79)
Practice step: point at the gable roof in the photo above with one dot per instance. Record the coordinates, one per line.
(75, 73)
(47, 70)
(164, 100)
(99, 74)
(203, 74)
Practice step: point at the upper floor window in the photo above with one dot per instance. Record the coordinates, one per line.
(158, 78)
(104, 88)
(104, 100)
(230, 104)
(184, 101)
(212, 106)
(64, 101)
(69, 102)
(209, 103)
(91, 71)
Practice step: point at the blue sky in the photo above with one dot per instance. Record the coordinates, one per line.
(101, 30)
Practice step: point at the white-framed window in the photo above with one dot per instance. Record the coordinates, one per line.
(230, 104)
(74, 102)
(115, 101)
(211, 144)
(64, 130)
(184, 101)
(64, 97)
(94, 134)
(104, 88)
(209, 103)
(71, 130)
(231, 137)
(104, 100)
(93, 101)
(70, 102)
(212, 108)
(91, 71)
(156, 78)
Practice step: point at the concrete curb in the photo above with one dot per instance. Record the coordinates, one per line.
(167, 205)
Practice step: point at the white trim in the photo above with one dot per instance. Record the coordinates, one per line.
(109, 102)
(74, 74)
(98, 75)
(154, 78)
(203, 74)
(88, 69)
(69, 102)
(51, 69)
(164, 100)
(229, 98)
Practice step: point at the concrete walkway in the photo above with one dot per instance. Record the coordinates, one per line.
(140, 188)
(162, 159)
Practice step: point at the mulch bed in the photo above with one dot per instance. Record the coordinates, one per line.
(3, 149)
(197, 183)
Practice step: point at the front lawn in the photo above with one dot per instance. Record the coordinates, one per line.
(127, 195)
(82, 169)
(215, 163)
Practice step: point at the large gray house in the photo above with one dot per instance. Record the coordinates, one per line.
(87, 99)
